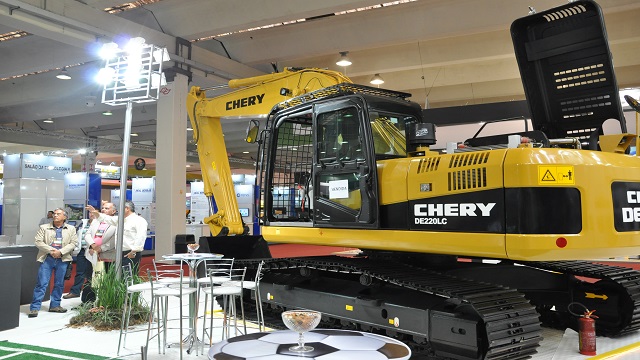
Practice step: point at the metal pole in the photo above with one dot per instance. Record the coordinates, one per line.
(123, 186)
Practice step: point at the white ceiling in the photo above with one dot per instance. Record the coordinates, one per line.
(458, 52)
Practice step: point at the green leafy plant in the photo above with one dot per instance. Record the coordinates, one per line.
(106, 312)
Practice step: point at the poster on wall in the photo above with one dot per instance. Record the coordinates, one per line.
(74, 211)
(199, 204)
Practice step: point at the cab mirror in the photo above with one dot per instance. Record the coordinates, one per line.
(252, 131)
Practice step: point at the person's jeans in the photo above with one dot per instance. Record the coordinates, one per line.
(81, 269)
(50, 265)
(135, 262)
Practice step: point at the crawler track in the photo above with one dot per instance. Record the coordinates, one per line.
(508, 325)
(617, 300)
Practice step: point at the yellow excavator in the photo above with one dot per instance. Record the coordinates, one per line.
(351, 166)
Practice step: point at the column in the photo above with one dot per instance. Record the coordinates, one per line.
(171, 157)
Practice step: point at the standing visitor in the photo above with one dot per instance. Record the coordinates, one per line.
(47, 219)
(100, 240)
(55, 242)
(133, 236)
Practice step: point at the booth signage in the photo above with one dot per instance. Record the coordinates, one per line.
(142, 190)
(108, 172)
(32, 166)
(75, 186)
(199, 204)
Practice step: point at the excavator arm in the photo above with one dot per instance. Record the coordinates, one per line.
(255, 96)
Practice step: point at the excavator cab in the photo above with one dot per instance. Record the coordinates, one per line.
(336, 142)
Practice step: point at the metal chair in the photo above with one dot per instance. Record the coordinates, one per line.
(132, 290)
(229, 290)
(160, 301)
(169, 280)
(221, 270)
(254, 286)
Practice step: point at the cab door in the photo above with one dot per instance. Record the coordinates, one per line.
(344, 176)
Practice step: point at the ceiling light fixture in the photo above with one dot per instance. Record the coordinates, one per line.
(107, 113)
(134, 134)
(344, 59)
(63, 74)
(48, 121)
(376, 80)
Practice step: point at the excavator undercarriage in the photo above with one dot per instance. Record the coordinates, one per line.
(457, 310)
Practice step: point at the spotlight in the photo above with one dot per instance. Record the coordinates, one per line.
(376, 80)
(344, 59)
(63, 74)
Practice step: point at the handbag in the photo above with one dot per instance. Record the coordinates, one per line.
(98, 270)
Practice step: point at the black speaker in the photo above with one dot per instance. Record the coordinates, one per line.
(239, 246)
(181, 242)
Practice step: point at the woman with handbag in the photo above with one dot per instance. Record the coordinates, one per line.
(101, 247)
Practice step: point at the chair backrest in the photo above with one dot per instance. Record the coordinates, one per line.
(236, 277)
(259, 273)
(162, 266)
(218, 267)
(170, 273)
(168, 276)
(127, 275)
(167, 272)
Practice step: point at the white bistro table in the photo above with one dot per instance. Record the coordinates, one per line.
(328, 344)
(192, 260)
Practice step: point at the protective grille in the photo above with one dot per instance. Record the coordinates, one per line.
(292, 169)
(564, 13)
(428, 165)
(468, 179)
(469, 159)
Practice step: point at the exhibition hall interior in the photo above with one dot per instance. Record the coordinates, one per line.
(344, 179)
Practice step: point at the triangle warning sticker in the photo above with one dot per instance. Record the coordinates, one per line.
(548, 176)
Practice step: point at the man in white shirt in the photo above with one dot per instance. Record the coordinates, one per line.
(134, 233)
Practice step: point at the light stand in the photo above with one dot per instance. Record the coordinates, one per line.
(130, 75)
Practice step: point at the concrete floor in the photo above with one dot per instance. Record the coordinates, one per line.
(51, 330)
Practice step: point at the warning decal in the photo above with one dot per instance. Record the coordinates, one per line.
(556, 175)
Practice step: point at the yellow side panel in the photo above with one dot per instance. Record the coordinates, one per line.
(592, 173)
(480, 245)
(392, 180)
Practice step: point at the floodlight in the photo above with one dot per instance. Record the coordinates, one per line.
(134, 46)
(108, 51)
(105, 75)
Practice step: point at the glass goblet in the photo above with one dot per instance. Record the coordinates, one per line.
(192, 248)
(301, 321)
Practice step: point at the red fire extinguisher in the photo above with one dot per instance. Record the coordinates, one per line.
(586, 331)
